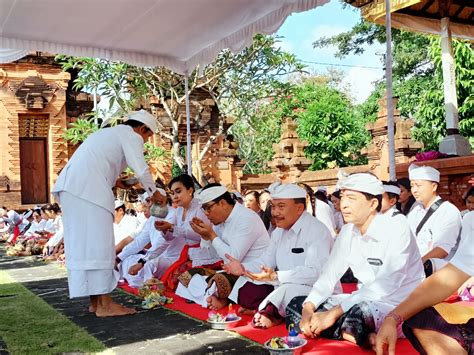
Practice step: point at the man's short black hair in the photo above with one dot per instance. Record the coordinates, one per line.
(391, 194)
(134, 124)
(370, 197)
(301, 200)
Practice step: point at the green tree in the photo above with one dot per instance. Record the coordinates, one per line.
(326, 120)
(236, 82)
(417, 78)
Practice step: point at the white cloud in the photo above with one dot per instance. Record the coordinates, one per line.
(360, 81)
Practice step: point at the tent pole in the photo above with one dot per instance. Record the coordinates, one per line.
(388, 76)
(188, 127)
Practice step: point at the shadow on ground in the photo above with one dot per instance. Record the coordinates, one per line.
(157, 331)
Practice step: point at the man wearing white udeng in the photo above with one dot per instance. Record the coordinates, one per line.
(84, 190)
(382, 254)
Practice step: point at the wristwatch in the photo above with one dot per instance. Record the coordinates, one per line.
(142, 261)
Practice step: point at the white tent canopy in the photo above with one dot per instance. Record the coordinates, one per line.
(178, 34)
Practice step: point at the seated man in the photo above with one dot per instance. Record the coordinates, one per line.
(237, 231)
(383, 256)
(435, 223)
(124, 224)
(299, 247)
(391, 193)
(133, 253)
(431, 326)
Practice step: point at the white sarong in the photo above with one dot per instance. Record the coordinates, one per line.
(89, 247)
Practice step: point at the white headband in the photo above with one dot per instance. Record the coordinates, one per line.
(286, 191)
(211, 193)
(416, 172)
(361, 182)
(392, 189)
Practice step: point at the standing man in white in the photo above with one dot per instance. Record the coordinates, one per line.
(84, 190)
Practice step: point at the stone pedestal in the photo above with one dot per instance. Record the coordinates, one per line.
(455, 144)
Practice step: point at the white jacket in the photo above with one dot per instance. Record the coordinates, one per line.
(95, 166)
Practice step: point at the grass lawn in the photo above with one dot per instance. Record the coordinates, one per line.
(28, 325)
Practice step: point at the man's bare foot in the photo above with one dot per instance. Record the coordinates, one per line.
(262, 321)
(245, 311)
(215, 303)
(113, 310)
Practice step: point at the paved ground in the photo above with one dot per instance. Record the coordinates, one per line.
(157, 331)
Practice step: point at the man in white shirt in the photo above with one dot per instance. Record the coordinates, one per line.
(298, 249)
(383, 256)
(238, 232)
(436, 232)
(389, 200)
(425, 316)
(124, 225)
(134, 253)
(84, 190)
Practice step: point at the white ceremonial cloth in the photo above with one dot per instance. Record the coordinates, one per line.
(299, 254)
(130, 254)
(89, 247)
(441, 230)
(463, 259)
(385, 260)
(326, 216)
(127, 227)
(182, 235)
(92, 171)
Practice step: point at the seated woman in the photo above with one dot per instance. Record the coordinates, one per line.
(176, 230)
(431, 326)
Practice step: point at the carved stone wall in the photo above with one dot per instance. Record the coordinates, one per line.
(30, 89)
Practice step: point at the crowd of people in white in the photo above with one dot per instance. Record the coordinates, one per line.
(280, 253)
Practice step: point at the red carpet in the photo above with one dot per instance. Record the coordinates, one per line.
(320, 346)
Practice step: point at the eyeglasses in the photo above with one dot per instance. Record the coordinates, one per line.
(208, 207)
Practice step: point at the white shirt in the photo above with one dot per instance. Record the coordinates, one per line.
(325, 214)
(149, 234)
(36, 227)
(182, 233)
(463, 259)
(385, 260)
(441, 230)
(125, 228)
(339, 220)
(97, 163)
(298, 253)
(242, 235)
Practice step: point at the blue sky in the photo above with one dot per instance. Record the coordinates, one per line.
(300, 31)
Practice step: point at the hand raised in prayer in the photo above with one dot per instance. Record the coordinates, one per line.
(204, 230)
(267, 274)
(387, 337)
(323, 320)
(233, 267)
(134, 269)
(163, 226)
